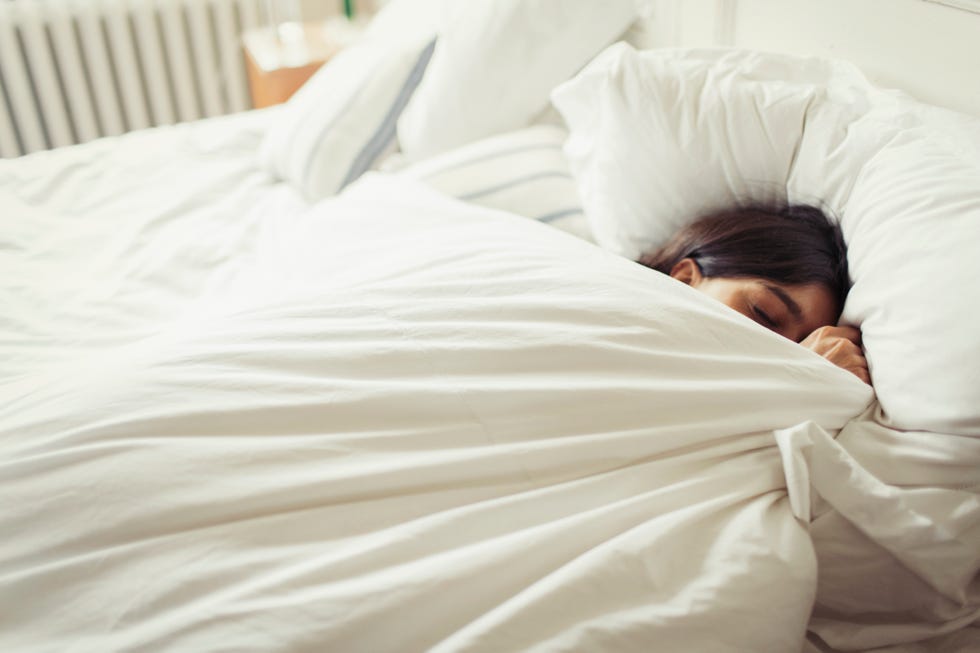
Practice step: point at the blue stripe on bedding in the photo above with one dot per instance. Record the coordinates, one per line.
(492, 155)
(307, 169)
(558, 215)
(512, 183)
(385, 133)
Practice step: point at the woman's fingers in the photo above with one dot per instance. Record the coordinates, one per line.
(841, 346)
(862, 373)
(850, 333)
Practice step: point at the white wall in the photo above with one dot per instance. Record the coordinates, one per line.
(927, 49)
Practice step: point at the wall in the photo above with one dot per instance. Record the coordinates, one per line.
(927, 49)
(320, 9)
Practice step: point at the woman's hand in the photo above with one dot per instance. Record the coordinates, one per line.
(841, 345)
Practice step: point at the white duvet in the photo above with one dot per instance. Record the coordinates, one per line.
(398, 423)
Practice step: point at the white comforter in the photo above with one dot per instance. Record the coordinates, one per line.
(397, 423)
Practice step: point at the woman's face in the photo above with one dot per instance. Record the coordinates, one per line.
(792, 311)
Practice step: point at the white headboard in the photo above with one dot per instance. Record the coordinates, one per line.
(928, 48)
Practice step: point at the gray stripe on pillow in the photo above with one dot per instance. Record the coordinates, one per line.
(315, 149)
(558, 215)
(512, 183)
(386, 131)
(492, 155)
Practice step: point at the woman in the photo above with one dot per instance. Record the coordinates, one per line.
(784, 267)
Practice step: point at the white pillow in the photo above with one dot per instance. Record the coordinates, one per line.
(496, 63)
(522, 172)
(343, 119)
(662, 136)
(658, 137)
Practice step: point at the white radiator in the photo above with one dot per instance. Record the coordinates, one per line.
(75, 70)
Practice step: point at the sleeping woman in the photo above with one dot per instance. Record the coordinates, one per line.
(784, 267)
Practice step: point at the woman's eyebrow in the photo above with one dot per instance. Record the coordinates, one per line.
(791, 304)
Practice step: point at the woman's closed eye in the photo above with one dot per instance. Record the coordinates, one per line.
(764, 318)
(792, 311)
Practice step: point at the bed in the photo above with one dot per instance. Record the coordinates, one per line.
(268, 386)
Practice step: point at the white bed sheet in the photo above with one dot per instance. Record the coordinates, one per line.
(232, 423)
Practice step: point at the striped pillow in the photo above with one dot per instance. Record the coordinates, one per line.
(343, 119)
(522, 172)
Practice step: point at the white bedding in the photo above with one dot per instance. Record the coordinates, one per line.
(103, 241)
(393, 422)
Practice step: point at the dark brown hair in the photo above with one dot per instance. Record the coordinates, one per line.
(794, 244)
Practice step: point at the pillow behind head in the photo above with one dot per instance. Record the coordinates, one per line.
(663, 136)
(912, 223)
(658, 138)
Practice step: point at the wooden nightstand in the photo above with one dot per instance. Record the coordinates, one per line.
(280, 62)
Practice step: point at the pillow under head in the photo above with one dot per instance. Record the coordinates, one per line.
(657, 138)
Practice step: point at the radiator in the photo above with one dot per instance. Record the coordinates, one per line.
(75, 70)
